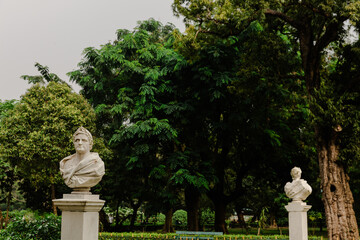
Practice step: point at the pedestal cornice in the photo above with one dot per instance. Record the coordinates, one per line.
(297, 206)
(79, 203)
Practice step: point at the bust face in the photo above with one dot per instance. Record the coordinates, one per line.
(295, 173)
(82, 143)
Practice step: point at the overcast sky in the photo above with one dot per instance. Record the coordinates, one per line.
(54, 33)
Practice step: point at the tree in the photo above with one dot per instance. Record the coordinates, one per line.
(46, 76)
(7, 173)
(204, 101)
(243, 110)
(37, 133)
(132, 85)
(314, 27)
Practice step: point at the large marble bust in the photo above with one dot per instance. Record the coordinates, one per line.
(84, 169)
(298, 189)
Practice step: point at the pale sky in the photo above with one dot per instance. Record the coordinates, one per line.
(55, 32)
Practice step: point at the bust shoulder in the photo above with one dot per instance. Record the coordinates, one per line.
(67, 161)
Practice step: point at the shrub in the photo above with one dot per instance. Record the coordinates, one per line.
(157, 219)
(207, 217)
(180, 217)
(33, 226)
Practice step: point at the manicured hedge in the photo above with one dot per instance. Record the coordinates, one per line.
(172, 236)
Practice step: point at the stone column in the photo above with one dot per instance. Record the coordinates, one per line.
(298, 227)
(80, 216)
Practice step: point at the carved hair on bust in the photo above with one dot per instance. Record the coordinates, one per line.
(295, 173)
(86, 132)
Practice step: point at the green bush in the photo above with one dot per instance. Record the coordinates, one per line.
(207, 217)
(31, 226)
(180, 217)
(157, 219)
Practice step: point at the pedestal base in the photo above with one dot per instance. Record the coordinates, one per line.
(80, 216)
(298, 227)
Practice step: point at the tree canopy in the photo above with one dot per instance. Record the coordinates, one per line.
(252, 89)
(37, 133)
(199, 124)
(317, 29)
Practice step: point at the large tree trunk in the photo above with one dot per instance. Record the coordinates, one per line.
(220, 214)
(337, 197)
(192, 200)
(168, 226)
(336, 193)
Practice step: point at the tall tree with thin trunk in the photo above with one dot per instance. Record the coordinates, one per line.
(132, 84)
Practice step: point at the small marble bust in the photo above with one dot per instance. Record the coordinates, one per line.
(298, 189)
(84, 169)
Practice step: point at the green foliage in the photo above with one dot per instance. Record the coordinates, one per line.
(37, 134)
(46, 75)
(179, 217)
(5, 107)
(205, 116)
(8, 174)
(207, 217)
(313, 43)
(315, 216)
(133, 85)
(157, 219)
(151, 236)
(262, 222)
(247, 96)
(124, 214)
(30, 225)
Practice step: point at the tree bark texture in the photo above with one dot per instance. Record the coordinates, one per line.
(192, 200)
(168, 227)
(337, 196)
(220, 211)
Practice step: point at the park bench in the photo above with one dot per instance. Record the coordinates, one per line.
(188, 235)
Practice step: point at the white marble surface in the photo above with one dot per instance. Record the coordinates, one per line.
(298, 189)
(80, 216)
(84, 169)
(298, 224)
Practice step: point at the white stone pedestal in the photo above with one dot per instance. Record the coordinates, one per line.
(298, 227)
(80, 216)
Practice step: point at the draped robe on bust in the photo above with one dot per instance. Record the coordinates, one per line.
(297, 190)
(87, 173)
